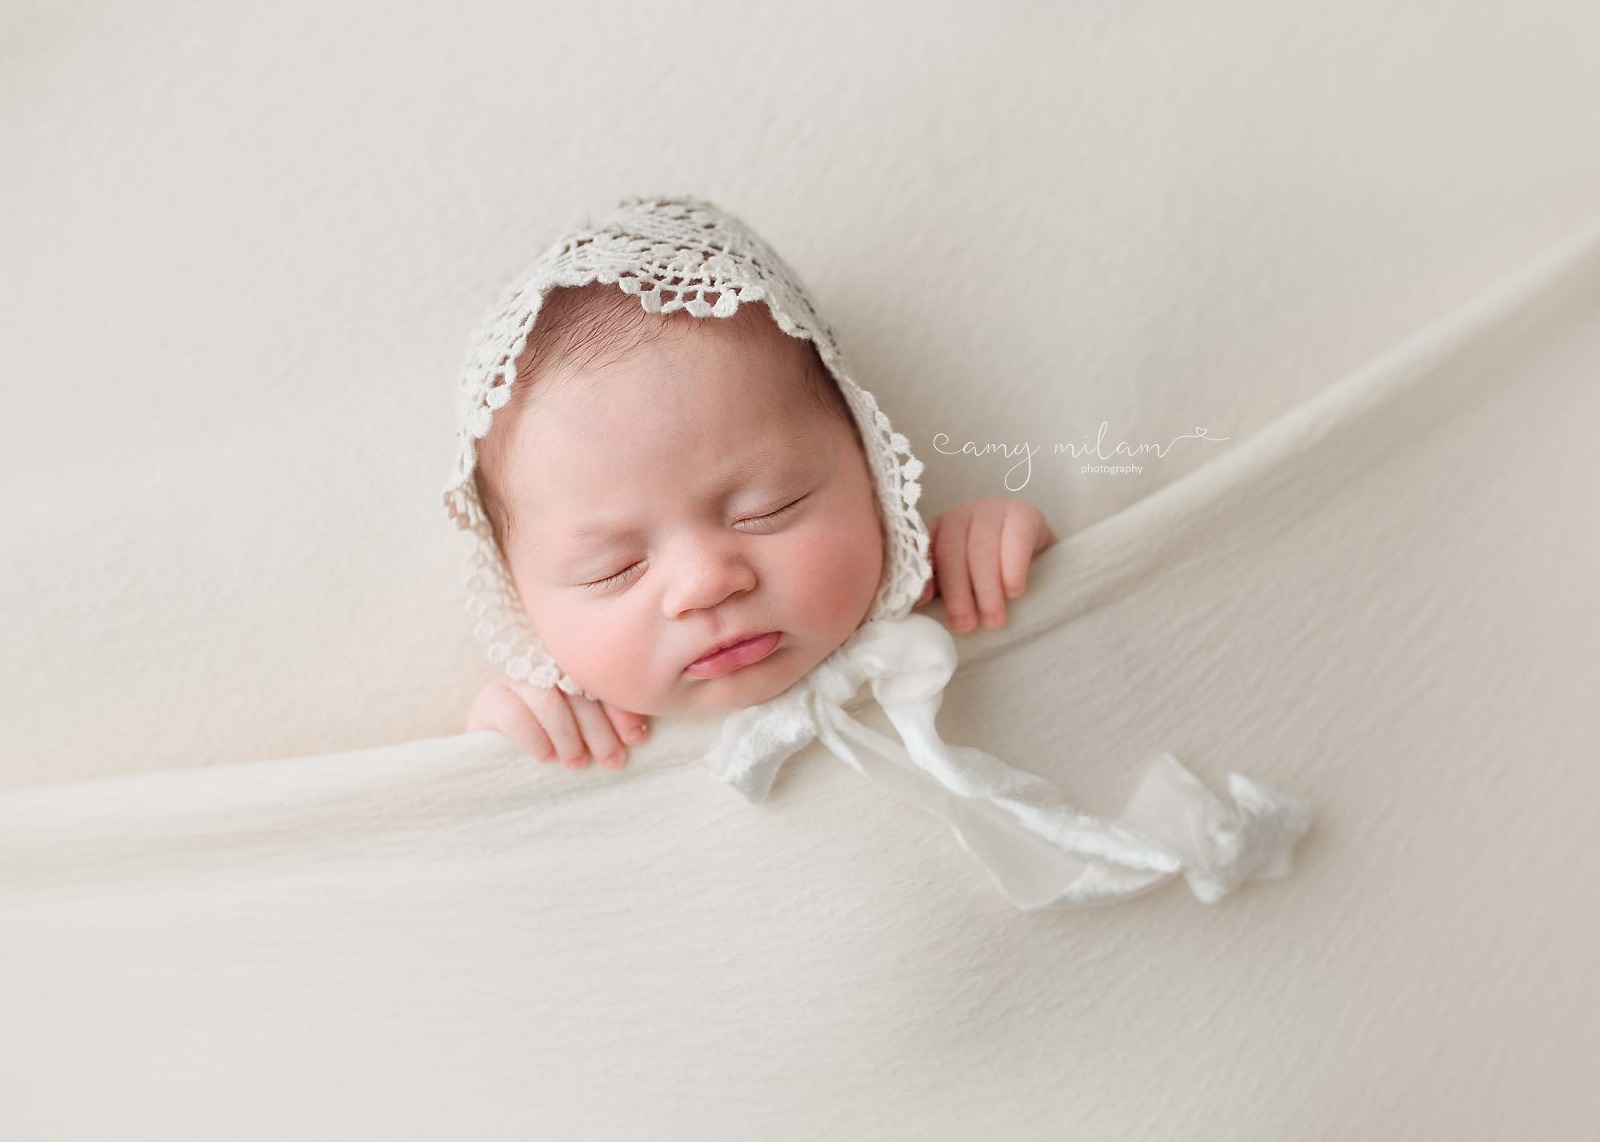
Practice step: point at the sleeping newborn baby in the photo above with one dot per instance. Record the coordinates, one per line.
(684, 503)
(688, 515)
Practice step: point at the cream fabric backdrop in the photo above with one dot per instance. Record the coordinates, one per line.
(242, 255)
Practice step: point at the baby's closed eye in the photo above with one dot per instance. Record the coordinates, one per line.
(774, 516)
(617, 579)
(633, 570)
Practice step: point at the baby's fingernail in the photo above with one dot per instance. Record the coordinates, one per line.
(636, 734)
(612, 761)
(962, 622)
(575, 762)
(991, 621)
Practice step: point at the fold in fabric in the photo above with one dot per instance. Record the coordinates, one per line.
(1039, 849)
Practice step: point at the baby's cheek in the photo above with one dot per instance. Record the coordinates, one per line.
(616, 664)
(600, 655)
(837, 574)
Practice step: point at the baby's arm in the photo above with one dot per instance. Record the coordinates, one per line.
(981, 552)
(550, 723)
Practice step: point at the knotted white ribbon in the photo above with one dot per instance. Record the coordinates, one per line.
(1040, 850)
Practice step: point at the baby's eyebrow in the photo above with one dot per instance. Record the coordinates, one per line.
(598, 529)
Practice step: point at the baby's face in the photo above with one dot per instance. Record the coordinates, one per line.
(680, 499)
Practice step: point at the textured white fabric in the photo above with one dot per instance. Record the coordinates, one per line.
(1385, 602)
(675, 254)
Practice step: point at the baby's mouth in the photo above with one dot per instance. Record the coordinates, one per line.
(727, 659)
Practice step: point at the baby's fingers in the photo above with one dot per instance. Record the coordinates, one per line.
(983, 560)
(1018, 542)
(950, 567)
(598, 733)
(500, 708)
(555, 718)
(631, 728)
(1027, 533)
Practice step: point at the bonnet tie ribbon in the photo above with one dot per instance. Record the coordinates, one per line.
(1039, 849)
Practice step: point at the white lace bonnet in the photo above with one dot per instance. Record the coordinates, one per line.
(673, 254)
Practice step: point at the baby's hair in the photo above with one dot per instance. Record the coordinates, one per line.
(598, 324)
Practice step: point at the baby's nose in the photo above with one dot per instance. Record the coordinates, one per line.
(706, 577)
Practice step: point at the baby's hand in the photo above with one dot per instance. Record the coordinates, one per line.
(982, 550)
(548, 723)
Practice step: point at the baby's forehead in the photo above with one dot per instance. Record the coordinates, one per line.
(691, 394)
(599, 336)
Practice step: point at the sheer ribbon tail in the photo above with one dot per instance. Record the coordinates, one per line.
(1039, 849)
(1220, 847)
(755, 742)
